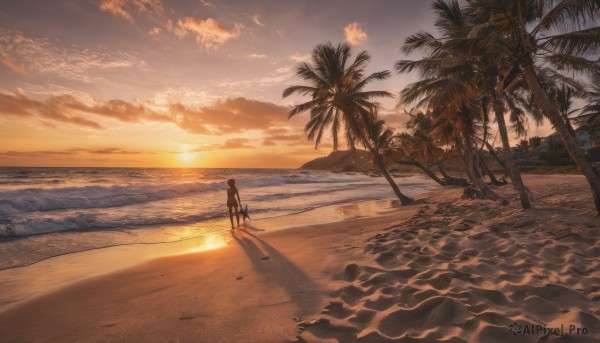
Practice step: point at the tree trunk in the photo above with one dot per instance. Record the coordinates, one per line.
(424, 169)
(451, 180)
(569, 126)
(511, 166)
(469, 161)
(403, 198)
(495, 156)
(486, 169)
(574, 150)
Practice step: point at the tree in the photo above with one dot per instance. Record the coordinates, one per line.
(536, 34)
(456, 83)
(589, 117)
(339, 98)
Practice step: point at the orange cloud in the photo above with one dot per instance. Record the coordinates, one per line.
(154, 32)
(283, 135)
(17, 68)
(237, 143)
(18, 104)
(123, 8)
(354, 34)
(209, 32)
(225, 116)
(66, 108)
(229, 116)
(119, 151)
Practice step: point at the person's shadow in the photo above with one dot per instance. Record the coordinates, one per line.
(277, 268)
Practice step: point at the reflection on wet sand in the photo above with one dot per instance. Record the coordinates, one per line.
(210, 242)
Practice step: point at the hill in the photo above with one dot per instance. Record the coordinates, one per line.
(342, 160)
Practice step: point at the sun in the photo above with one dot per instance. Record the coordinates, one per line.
(186, 156)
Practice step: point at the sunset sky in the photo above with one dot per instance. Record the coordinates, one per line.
(194, 83)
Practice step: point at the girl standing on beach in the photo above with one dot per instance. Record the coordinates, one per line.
(232, 202)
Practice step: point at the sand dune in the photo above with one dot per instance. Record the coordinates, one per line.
(465, 271)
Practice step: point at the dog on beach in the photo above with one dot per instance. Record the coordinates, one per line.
(244, 213)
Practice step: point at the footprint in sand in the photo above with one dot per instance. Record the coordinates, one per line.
(186, 317)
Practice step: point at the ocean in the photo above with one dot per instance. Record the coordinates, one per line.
(51, 211)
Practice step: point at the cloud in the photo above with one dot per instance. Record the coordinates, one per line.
(68, 109)
(44, 57)
(154, 32)
(18, 104)
(207, 3)
(229, 115)
(11, 65)
(296, 57)
(275, 78)
(256, 20)
(32, 153)
(124, 8)
(237, 143)
(283, 135)
(112, 151)
(354, 34)
(256, 56)
(72, 151)
(396, 121)
(209, 32)
(224, 116)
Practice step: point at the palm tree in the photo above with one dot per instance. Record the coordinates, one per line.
(563, 97)
(461, 82)
(537, 33)
(589, 117)
(339, 99)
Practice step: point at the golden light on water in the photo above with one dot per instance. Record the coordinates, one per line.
(211, 242)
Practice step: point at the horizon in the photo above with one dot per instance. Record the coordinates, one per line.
(206, 77)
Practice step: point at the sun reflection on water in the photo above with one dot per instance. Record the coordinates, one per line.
(211, 242)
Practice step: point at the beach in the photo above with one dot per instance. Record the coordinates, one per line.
(445, 270)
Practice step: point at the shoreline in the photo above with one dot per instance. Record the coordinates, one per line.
(292, 281)
(72, 267)
(27, 249)
(449, 269)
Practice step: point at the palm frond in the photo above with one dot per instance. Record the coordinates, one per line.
(574, 43)
(301, 90)
(573, 63)
(568, 14)
(422, 41)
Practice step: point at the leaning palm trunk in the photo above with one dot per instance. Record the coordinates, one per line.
(451, 180)
(556, 119)
(487, 171)
(495, 156)
(424, 169)
(404, 200)
(510, 165)
(474, 175)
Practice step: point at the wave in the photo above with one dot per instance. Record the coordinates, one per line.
(27, 200)
(93, 221)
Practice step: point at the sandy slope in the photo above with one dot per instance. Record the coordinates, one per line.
(456, 271)
(464, 271)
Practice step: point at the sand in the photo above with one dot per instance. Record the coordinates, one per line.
(449, 270)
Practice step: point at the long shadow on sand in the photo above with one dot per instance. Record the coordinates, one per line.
(279, 270)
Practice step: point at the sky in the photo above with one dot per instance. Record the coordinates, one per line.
(187, 83)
